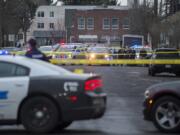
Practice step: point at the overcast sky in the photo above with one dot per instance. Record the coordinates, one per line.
(123, 2)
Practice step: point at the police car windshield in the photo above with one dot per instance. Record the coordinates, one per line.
(167, 54)
(98, 50)
(51, 66)
(45, 48)
(65, 49)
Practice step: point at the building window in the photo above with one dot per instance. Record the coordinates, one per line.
(115, 23)
(51, 14)
(40, 25)
(90, 23)
(126, 23)
(40, 14)
(51, 25)
(106, 23)
(20, 36)
(81, 23)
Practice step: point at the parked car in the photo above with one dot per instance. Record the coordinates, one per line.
(162, 106)
(163, 54)
(11, 50)
(4, 52)
(42, 96)
(98, 53)
(79, 53)
(63, 52)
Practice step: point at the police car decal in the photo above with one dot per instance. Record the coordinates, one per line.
(42, 96)
(71, 86)
(3, 95)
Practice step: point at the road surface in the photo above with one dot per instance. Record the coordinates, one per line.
(125, 87)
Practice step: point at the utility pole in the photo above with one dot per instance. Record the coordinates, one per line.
(161, 8)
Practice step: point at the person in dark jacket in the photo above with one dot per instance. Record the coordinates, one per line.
(132, 54)
(33, 52)
(143, 53)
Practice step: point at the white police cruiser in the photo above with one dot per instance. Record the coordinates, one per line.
(42, 96)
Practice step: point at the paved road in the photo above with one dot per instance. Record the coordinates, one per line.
(125, 87)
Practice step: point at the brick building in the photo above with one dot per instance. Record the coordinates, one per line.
(53, 23)
(97, 25)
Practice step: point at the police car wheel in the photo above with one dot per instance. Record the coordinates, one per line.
(178, 74)
(63, 125)
(39, 114)
(165, 114)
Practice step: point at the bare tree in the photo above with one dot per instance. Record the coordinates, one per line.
(172, 30)
(15, 15)
(145, 20)
(156, 7)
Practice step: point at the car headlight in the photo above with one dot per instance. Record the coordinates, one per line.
(106, 56)
(92, 56)
(137, 55)
(147, 94)
(53, 56)
(69, 56)
(6, 52)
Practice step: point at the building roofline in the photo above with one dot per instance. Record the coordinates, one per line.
(86, 7)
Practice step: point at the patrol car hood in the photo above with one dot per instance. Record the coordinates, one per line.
(173, 87)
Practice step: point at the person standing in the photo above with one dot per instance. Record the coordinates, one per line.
(33, 52)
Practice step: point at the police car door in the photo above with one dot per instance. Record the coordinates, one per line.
(14, 82)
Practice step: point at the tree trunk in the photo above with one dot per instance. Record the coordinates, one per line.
(156, 7)
(136, 3)
(25, 36)
(161, 8)
(1, 37)
(6, 40)
(1, 34)
(144, 2)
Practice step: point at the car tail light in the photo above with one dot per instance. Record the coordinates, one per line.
(91, 85)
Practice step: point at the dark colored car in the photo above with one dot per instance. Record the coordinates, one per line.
(42, 96)
(162, 106)
(163, 54)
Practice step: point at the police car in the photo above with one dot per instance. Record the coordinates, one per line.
(42, 96)
(4, 52)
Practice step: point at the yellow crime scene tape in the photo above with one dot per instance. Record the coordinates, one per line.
(126, 53)
(79, 71)
(114, 61)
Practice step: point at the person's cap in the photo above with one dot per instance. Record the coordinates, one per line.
(32, 42)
